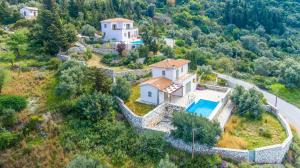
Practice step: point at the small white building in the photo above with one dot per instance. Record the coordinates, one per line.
(29, 12)
(169, 78)
(121, 30)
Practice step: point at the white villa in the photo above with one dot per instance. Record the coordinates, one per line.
(169, 78)
(29, 12)
(121, 30)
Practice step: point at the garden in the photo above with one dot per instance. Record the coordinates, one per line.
(139, 109)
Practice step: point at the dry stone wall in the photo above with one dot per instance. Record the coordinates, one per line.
(269, 154)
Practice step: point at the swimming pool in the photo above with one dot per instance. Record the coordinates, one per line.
(138, 42)
(202, 108)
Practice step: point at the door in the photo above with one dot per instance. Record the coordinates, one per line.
(188, 87)
(129, 35)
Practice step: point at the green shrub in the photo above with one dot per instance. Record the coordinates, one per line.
(8, 117)
(33, 124)
(94, 106)
(133, 65)
(122, 89)
(54, 63)
(84, 162)
(14, 102)
(205, 132)
(248, 103)
(166, 163)
(7, 139)
(265, 133)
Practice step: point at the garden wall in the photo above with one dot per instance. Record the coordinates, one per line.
(269, 154)
(157, 114)
(133, 119)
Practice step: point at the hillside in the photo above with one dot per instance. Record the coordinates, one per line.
(64, 113)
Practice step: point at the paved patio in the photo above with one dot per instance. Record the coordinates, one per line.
(196, 95)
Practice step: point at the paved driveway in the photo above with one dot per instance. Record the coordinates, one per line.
(287, 110)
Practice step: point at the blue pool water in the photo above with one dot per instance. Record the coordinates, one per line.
(138, 42)
(202, 107)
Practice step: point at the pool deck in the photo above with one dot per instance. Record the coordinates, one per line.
(196, 95)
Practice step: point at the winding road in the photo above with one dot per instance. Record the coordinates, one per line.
(287, 110)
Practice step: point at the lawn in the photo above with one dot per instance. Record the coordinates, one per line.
(138, 108)
(242, 133)
(290, 95)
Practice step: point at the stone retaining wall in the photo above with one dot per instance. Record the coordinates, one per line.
(269, 154)
(133, 119)
(228, 153)
(157, 114)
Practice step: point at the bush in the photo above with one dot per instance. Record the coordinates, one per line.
(8, 117)
(88, 30)
(122, 89)
(265, 133)
(7, 139)
(54, 63)
(94, 106)
(71, 81)
(154, 59)
(84, 162)
(33, 124)
(132, 65)
(14, 102)
(205, 132)
(166, 163)
(248, 103)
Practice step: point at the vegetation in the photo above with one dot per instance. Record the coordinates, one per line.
(71, 109)
(136, 107)
(84, 162)
(16, 103)
(242, 133)
(291, 95)
(122, 88)
(248, 103)
(205, 132)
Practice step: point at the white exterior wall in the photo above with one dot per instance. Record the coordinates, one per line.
(170, 72)
(157, 72)
(193, 81)
(156, 94)
(28, 13)
(121, 33)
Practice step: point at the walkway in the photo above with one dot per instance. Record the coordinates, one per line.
(289, 111)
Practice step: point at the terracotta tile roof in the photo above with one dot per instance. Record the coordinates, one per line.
(170, 63)
(117, 20)
(160, 82)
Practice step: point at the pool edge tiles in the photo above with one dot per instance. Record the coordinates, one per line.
(202, 107)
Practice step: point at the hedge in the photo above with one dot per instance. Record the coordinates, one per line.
(14, 102)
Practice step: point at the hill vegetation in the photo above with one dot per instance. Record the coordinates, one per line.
(65, 114)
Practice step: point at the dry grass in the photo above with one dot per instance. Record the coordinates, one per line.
(241, 133)
(28, 84)
(138, 108)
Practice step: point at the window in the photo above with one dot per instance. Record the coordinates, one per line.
(163, 73)
(127, 26)
(24, 13)
(181, 69)
(149, 94)
(105, 25)
(114, 26)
